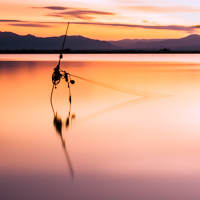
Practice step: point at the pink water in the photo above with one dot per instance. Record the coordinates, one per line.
(144, 144)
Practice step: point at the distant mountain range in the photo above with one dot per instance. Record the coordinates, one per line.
(126, 43)
(191, 42)
(12, 41)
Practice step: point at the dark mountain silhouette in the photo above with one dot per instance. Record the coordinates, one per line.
(12, 41)
(191, 42)
(126, 43)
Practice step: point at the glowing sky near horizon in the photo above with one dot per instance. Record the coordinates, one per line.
(102, 19)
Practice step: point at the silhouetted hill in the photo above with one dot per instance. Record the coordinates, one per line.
(13, 41)
(126, 43)
(191, 42)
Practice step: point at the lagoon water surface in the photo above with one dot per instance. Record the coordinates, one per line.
(133, 132)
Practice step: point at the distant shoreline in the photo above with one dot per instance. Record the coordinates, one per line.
(67, 51)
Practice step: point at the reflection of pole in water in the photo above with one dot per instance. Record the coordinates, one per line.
(68, 159)
(58, 125)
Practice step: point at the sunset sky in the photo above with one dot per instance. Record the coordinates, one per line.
(102, 19)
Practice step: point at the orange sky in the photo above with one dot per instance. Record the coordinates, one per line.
(102, 19)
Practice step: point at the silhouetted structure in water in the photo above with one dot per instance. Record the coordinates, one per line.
(56, 77)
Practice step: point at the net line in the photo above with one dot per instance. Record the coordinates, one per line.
(122, 89)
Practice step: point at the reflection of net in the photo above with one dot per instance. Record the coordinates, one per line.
(121, 89)
(144, 96)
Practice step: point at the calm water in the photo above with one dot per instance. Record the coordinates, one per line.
(134, 135)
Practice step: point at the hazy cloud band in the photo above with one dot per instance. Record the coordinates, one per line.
(135, 26)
